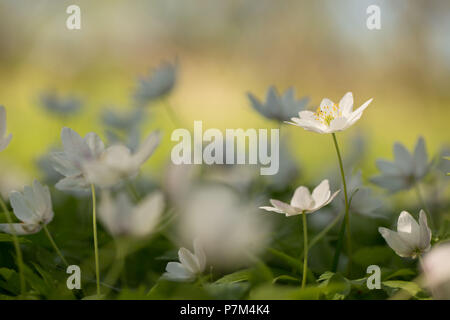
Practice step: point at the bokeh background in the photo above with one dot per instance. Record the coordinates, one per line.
(225, 49)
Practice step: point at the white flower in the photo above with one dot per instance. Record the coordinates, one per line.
(406, 170)
(230, 230)
(157, 84)
(122, 218)
(33, 207)
(412, 238)
(436, 267)
(190, 265)
(77, 151)
(4, 139)
(117, 162)
(278, 107)
(330, 117)
(303, 201)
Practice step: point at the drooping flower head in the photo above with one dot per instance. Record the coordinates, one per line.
(157, 84)
(303, 201)
(4, 139)
(330, 117)
(122, 218)
(411, 239)
(276, 107)
(33, 208)
(406, 170)
(190, 265)
(70, 162)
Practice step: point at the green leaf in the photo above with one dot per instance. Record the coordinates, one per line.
(401, 273)
(411, 287)
(286, 277)
(4, 237)
(238, 276)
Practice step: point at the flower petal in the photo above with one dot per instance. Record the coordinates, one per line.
(321, 193)
(425, 232)
(408, 229)
(302, 199)
(189, 261)
(346, 104)
(396, 242)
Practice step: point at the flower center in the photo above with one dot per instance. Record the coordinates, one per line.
(327, 114)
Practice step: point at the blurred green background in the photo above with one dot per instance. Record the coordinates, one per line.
(225, 49)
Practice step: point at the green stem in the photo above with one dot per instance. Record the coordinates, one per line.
(424, 205)
(133, 191)
(171, 113)
(16, 247)
(54, 245)
(94, 223)
(323, 233)
(346, 223)
(305, 245)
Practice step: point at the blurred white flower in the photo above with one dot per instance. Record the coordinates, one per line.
(4, 139)
(411, 239)
(278, 107)
(330, 117)
(406, 169)
(303, 201)
(190, 265)
(121, 218)
(229, 229)
(77, 151)
(436, 268)
(117, 162)
(62, 106)
(33, 207)
(157, 84)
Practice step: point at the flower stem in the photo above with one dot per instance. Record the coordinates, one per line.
(54, 245)
(305, 250)
(94, 223)
(345, 227)
(16, 247)
(424, 205)
(171, 113)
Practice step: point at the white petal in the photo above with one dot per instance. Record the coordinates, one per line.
(356, 115)
(272, 209)
(147, 148)
(323, 204)
(397, 244)
(425, 232)
(326, 103)
(321, 193)
(94, 143)
(21, 208)
(189, 261)
(177, 272)
(62, 164)
(74, 146)
(302, 199)
(73, 184)
(408, 229)
(285, 208)
(338, 124)
(346, 104)
(146, 215)
(200, 254)
(20, 229)
(306, 115)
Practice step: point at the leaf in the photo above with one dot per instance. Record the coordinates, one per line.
(411, 287)
(286, 278)
(401, 273)
(4, 237)
(238, 276)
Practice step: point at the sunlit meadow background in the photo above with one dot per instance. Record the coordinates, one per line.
(224, 50)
